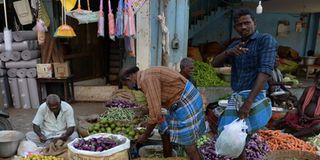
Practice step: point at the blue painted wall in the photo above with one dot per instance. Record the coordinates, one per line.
(219, 30)
(177, 18)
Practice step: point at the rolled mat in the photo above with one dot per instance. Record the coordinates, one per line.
(5, 92)
(1, 37)
(19, 36)
(15, 56)
(3, 72)
(31, 73)
(14, 89)
(1, 64)
(30, 54)
(33, 92)
(22, 64)
(24, 93)
(22, 73)
(5, 56)
(12, 72)
(21, 46)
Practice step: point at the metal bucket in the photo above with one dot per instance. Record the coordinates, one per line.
(9, 142)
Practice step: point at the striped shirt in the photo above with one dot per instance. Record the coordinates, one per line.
(162, 88)
(260, 58)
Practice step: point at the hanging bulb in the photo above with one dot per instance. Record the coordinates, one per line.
(259, 8)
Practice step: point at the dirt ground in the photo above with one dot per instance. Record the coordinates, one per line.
(21, 119)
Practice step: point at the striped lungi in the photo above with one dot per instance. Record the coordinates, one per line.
(260, 113)
(185, 121)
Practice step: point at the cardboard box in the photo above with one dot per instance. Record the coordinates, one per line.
(61, 70)
(44, 70)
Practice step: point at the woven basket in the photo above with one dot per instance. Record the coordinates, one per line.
(290, 154)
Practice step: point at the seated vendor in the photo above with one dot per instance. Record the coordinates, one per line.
(54, 120)
(276, 84)
(305, 121)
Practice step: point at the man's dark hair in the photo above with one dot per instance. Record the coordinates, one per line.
(126, 72)
(186, 62)
(242, 12)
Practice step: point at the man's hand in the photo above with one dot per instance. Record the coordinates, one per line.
(245, 110)
(237, 50)
(142, 138)
(64, 137)
(43, 138)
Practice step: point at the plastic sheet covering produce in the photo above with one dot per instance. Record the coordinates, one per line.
(30, 54)
(12, 72)
(3, 72)
(22, 64)
(19, 36)
(32, 73)
(14, 89)
(33, 92)
(21, 46)
(24, 93)
(22, 73)
(5, 92)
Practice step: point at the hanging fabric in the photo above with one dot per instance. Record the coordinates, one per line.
(43, 14)
(101, 20)
(125, 18)
(119, 20)
(23, 11)
(129, 44)
(111, 22)
(64, 30)
(165, 39)
(84, 16)
(43, 22)
(7, 34)
(131, 19)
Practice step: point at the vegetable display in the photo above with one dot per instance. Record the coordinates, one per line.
(282, 141)
(202, 140)
(117, 114)
(95, 144)
(206, 76)
(126, 129)
(314, 141)
(40, 157)
(255, 149)
(119, 103)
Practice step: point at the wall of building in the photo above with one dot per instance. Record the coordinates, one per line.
(220, 28)
(149, 37)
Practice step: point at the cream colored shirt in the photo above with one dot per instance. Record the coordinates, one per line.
(52, 126)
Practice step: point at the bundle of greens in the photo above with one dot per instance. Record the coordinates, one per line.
(206, 76)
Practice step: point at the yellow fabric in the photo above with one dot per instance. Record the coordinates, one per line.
(69, 4)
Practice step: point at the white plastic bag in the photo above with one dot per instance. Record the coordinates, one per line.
(27, 147)
(232, 139)
(125, 145)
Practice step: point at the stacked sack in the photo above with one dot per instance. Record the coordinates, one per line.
(20, 65)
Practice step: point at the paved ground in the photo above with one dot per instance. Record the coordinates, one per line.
(21, 119)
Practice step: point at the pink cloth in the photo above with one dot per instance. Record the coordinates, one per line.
(308, 99)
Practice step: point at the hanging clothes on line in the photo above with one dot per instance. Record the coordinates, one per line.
(119, 20)
(111, 22)
(101, 20)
